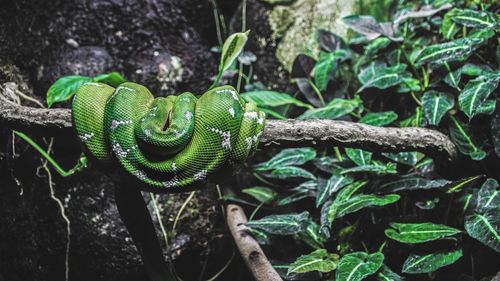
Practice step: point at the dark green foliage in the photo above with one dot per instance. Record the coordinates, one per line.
(432, 64)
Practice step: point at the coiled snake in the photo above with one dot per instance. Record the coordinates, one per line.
(167, 143)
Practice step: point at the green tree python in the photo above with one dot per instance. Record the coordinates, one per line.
(168, 143)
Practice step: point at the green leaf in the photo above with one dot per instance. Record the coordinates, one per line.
(288, 157)
(484, 222)
(279, 2)
(485, 227)
(328, 187)
(456, 50)
(413, 183)
(281, 224)
(449, 28)
(476, 19)
(358, 265)
(312, 235)
(488, 196)
(460, 136)
(114, 79)
(272, 99)
(336, 182)
(380, 76)
(406, 158)
(335, 109)
(64, 88)
(428, 263)
(231, 50)
(408, 85)
(326, 67)
(359, 156)
(360, 201)
(386, 274)
(415, 120)
(475, 94)
(375, 167)
(418, 232)
(261, 194)
(282, 269)
(435, 105)
(294, 197)
(487, 107)
(495, 132)
(329, 211)
(376, 45)
(370, 27)
(379, 118)
(319, 260)
(292, 172)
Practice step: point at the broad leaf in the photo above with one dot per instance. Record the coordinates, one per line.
(261, 194)
(475, 94)
(461, 137)
(281, 224)
(435, 105)
(380, 76)
(358, 265)
(448, 27)
(386, 274)
(312, 235)
(379, 118)
(428, 263)
(360, 201)
(370, 27)
(495, 132)
(114, 79)
(64, 88)
(484, 222)
(376, 167)
(264, 98)
(418, 232)
(288, 157)
(279, 2)
(485, 227)
(359, 156)
(319, 260)
(328, 187)
(450, 51)
(325, 68)
(335, 109)
(336, 182)
(406, 158)
(329, 41)
(292, 172)
(476, 19)
(376, 45)
(282, 269)
(231, 49)
(323, 192)
(413, 183)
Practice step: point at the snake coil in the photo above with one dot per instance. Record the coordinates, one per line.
(168, 143)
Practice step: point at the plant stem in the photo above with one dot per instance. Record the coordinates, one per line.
(316, 90)
(51, 160)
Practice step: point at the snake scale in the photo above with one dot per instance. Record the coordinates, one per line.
(167, 143)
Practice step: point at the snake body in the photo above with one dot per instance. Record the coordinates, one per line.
(167, 143)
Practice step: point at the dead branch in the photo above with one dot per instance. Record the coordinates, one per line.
(284, 133)
(250, 251)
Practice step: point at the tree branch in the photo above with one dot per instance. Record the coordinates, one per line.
(250, 251)
(284, 133)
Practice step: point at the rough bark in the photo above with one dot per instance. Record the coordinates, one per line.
(250, 251)
(277, 132)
